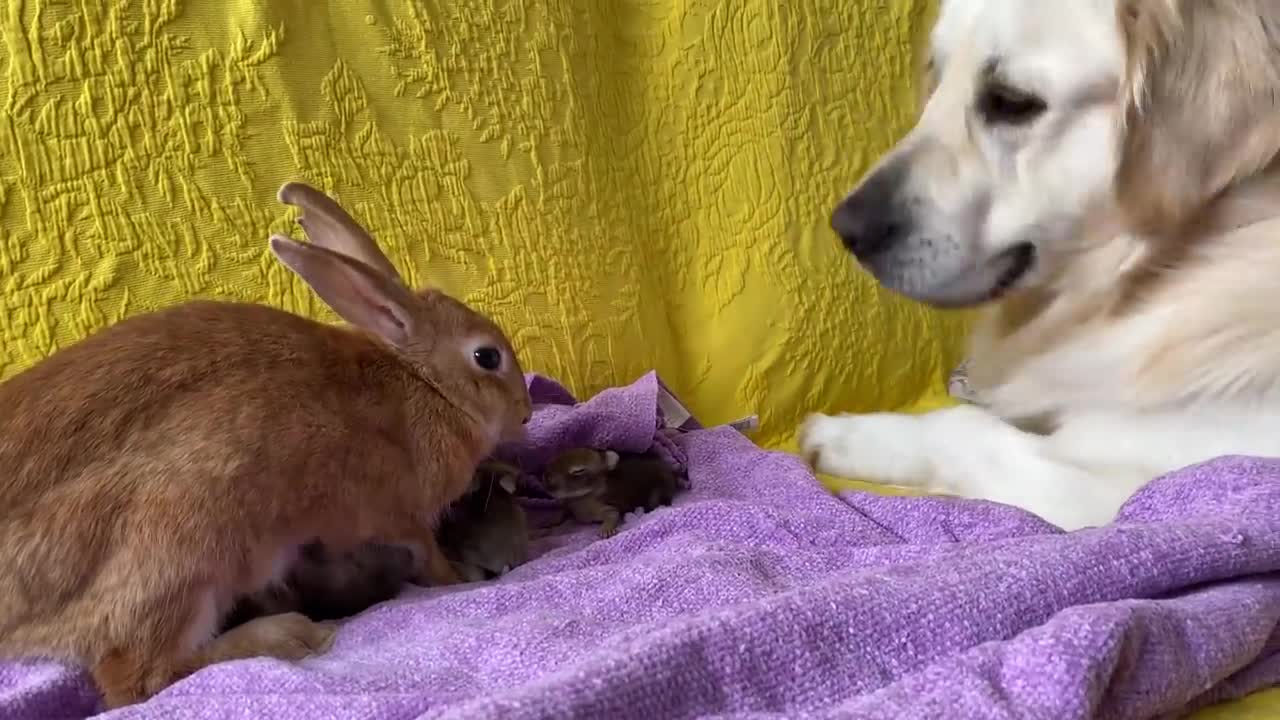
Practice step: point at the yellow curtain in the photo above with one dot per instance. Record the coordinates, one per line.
(623, 185)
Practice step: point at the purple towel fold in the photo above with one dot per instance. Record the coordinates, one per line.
(760, 595)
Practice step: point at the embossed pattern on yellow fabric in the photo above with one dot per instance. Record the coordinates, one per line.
(625, 184)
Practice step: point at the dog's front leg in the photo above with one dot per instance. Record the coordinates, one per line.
(968, 452)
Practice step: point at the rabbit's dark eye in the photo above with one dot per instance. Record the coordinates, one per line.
(487, 358)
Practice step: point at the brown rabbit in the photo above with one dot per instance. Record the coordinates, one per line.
(160, 469)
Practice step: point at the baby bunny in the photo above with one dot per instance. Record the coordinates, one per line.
(163, 468)
(323, 585)
(486, 534)
(602, 485)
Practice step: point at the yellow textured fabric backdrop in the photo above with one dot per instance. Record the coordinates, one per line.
(624, 184)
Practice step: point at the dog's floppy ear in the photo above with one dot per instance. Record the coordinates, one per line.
(1203, 105)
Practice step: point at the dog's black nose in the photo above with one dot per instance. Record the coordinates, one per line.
(868, 221)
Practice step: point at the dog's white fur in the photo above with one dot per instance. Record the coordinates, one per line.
(1147, 335)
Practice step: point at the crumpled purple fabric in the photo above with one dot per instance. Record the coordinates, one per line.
(760, 595)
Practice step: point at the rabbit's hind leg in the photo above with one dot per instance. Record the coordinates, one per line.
(285, 636)
(153, 637)
(165, 650)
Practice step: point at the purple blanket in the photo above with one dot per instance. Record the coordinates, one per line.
(761, 595)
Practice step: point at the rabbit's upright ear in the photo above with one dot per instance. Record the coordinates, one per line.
(359, 294)
(329, 226)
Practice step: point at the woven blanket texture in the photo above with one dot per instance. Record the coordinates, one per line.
(759, 594)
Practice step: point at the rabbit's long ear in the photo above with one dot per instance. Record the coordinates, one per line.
(329, 226)
(359, 294)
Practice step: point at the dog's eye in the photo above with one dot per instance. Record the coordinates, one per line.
(1008, 106)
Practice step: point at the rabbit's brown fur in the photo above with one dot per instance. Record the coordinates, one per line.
(162, 468)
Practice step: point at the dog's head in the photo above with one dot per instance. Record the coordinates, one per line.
(1042, 117)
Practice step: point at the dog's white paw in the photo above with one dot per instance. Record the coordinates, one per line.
(886, 448)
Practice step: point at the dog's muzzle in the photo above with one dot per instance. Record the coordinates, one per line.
(869, 221)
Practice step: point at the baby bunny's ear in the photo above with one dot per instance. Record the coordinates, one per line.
(359, 294)
(330, 227)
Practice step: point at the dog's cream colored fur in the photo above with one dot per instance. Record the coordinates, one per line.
(1147, 335)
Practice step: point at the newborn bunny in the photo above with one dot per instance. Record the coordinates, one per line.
(485, 534)
(602, 485)
(167, 466)
(323, 585)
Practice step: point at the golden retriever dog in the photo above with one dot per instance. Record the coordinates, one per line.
(1101, 177)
